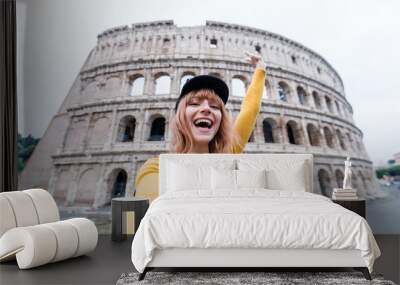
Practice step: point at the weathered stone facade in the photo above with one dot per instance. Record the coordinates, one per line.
(117, 113)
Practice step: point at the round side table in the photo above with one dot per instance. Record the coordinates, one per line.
(126, 204)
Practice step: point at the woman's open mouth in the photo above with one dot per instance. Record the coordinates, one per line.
(203, 124)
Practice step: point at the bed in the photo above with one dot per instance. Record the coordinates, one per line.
(245, 211)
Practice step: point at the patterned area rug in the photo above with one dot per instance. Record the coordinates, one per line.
(275, 278)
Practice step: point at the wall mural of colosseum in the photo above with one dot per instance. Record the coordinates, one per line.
(117, 112)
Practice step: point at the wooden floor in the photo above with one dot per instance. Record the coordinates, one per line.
(111, 259)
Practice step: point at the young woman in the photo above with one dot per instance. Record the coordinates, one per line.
(202, 124)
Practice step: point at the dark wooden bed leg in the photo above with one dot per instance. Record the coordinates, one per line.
(143, 274)
(364, 271)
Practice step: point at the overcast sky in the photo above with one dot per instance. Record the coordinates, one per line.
(359, 38)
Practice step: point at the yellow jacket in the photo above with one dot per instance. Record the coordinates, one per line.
(146, 183)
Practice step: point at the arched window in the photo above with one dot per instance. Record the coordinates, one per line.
(339, 178)
(317, 100)
(313, 135)
(157, 130)
(213, 43)
(126, 129)
(350, 140)
(266, 90)
(302, 95)
(329, 104)
(328, 137)
(341, 139)
(184, 79)
(119, 186)
(163, 84)
(137, 86)
(268, 129)
(338, 107)
(325, 183)
(238, 87)
(283, 91)
(293, 133)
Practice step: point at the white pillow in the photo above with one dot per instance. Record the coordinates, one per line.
(223, 179)
(182, 177)
(231, 180)
(251, 178)
(281, 174)
(189, 176)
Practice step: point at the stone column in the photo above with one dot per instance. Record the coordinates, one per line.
(111, 136)
(306, 139)
(294, 98)
(130, 182)
(148, 83)
(73, 186)
(273, 95)
(64, 140)
(174, 88)
(145, 126)
(100, 194)
(53, 180)
(310, 98)
(282, 126)
(89, 125)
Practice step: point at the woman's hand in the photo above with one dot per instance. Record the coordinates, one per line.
(255, 60)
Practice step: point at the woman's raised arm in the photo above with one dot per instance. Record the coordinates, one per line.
(246, 120)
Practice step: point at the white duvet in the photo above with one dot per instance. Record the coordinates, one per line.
(257, 218)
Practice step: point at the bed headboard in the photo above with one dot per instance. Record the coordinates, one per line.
(281, 166)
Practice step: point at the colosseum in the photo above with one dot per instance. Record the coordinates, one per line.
(117, 113)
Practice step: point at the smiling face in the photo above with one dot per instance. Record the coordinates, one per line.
(203, 114)
(202, 124)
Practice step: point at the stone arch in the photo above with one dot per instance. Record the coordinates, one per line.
(293, 132)
(350, 140)
(99, 131)
(302, 95)
(126, 129)
(267, 90)
(136, 85)
(157, 130)
(328, 102)
(317, 100)
(76, 133)
(162, 84)
(185, 77)
(238, 86)
(116, 182)
(340, 139)
(62, 186)
(339, 110)
(328, 137)
(313, 135)
(86, 187)
(339, 178)
(270, 131)
(324, 180)
(283, 91)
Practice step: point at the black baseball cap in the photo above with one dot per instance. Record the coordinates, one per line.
(205, 82)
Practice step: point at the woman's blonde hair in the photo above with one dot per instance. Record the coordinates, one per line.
(182, 138)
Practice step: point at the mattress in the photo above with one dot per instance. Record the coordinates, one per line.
(250, 219)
